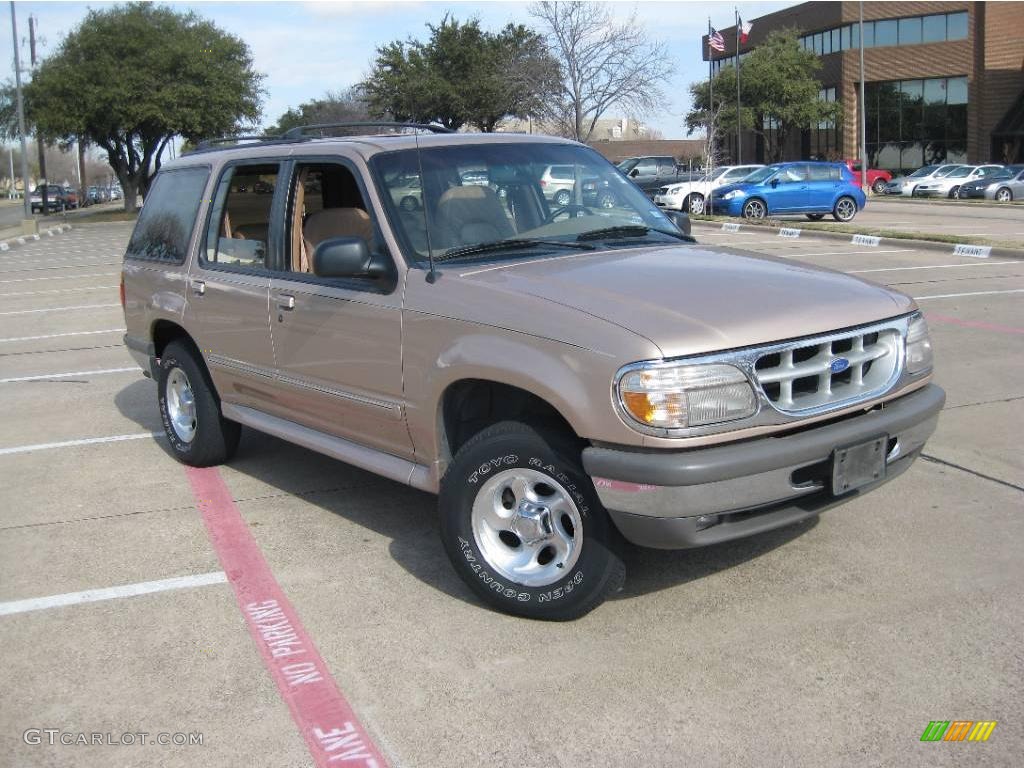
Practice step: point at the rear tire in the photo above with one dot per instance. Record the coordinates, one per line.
(196, 430)
(695, 203)
(879, 186)
(517, 512)
(954, 193)
(563, 198)
(845, 209)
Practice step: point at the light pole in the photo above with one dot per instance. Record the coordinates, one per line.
(863, 112)
(21, 116)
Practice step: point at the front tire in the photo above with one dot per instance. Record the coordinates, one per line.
(879, 186)
(954, 193)
(524, 528)
(197, 432)
(1004, 195)
(845, 209)
(754, 209)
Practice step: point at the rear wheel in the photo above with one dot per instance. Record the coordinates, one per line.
(754, 209)
(562, 198)
(878, 187)
(955, 193)
(523, 527)
(198, 433)
(695, 203)
(1004, 195)
(845, 209)
(606, 200)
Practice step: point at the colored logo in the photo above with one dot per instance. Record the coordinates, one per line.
(839, 365)
(958, 730)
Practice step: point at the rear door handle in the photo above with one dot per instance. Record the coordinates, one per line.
(286, 302)
(198, 287)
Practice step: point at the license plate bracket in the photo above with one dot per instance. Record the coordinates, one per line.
(858, 465)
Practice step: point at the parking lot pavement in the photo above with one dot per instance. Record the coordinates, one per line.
(831, 642)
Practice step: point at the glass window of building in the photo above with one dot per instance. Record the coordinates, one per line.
(845, 40)
(910, 31)
(869, 34)
(956, 26)
(836, 42)
(886, 33)
(956, 90)
(933, 28)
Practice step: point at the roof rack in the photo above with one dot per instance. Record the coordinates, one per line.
(300, 131)
(207, 143)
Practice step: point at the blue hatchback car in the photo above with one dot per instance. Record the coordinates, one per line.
(811, 188)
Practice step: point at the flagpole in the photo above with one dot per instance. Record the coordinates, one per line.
(739, 139)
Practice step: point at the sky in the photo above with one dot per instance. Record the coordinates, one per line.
(308, 48)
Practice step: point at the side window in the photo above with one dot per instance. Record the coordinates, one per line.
(240, 217)
(793, 174)
(666, 168)
(169, 216)
(820, 173)
(326, 202)
(645, 168)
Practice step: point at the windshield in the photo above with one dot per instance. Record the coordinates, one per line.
(761, 174)
(627, 165)
(959, 173)
(524, 193)
(923, 171)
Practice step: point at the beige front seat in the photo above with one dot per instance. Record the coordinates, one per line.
(336, 222)
(473, 214)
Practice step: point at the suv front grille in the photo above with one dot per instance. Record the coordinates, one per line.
(809, 373)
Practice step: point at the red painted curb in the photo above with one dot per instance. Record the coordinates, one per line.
(326, 720)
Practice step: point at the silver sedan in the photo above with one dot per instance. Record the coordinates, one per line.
(1009, 187)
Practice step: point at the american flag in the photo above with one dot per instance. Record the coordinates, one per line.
(716, 41)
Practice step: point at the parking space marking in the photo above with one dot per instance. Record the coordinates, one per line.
(61, 309)
(793, 254)
(63, 277)
(61, 290)
(112, 593)
(933, 266)
(70, 375)
(324, 717)
(973, 293)
(75, 443)
(59, 335)
(972, 324)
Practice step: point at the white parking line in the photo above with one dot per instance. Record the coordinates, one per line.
(63, 277)
(59, 335)
(112, 593)
(70, 375)
(974, 293)
(60, 309)
(797, 254)
(74, 443)
(934, 266)
(61, 290)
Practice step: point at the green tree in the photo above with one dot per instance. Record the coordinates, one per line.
(778, 88)
(333, 107)
(462, 75)
(131, 77)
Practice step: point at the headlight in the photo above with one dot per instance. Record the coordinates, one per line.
(919, 346)
(680, 396)
(672, 190)
(732, 194)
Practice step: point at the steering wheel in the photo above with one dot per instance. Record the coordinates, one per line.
(570, 209)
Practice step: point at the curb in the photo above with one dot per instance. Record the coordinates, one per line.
(953, 249)
(5, 245)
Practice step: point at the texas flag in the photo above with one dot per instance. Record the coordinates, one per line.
(745, 27)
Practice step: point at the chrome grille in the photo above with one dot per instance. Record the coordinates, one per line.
(807, 375)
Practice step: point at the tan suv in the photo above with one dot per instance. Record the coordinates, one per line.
(563, 377)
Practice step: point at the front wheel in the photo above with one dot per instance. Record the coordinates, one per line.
(954, 193)
(695, 203)
(754, 209)
(845, 209)
(198, 433)
(1004, 195)
(878, 187)
(524, 528)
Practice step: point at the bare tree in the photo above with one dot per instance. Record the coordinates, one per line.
(604, 64)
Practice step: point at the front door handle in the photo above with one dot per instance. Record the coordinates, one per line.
(286, 303)
(198, 287)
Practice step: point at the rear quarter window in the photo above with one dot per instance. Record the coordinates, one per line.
(168, 217)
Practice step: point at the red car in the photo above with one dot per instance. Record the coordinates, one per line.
(876, 179)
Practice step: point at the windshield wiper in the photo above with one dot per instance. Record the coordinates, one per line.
(631, 230)
(510, 244)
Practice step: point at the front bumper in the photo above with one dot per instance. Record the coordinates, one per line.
(673, 202)
(682, 499)
(731, 207)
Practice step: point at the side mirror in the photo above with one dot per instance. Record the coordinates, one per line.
(346, 257)
(775, 182)
(680, 219)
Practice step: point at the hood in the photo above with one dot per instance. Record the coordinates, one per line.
(693, 299)
(742, 186)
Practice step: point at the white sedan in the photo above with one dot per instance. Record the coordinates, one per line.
(690, 195)
(949, 186)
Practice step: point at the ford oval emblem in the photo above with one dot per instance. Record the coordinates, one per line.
(839, 365)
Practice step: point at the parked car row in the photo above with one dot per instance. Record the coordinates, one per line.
(955, 180)
(58, 198)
